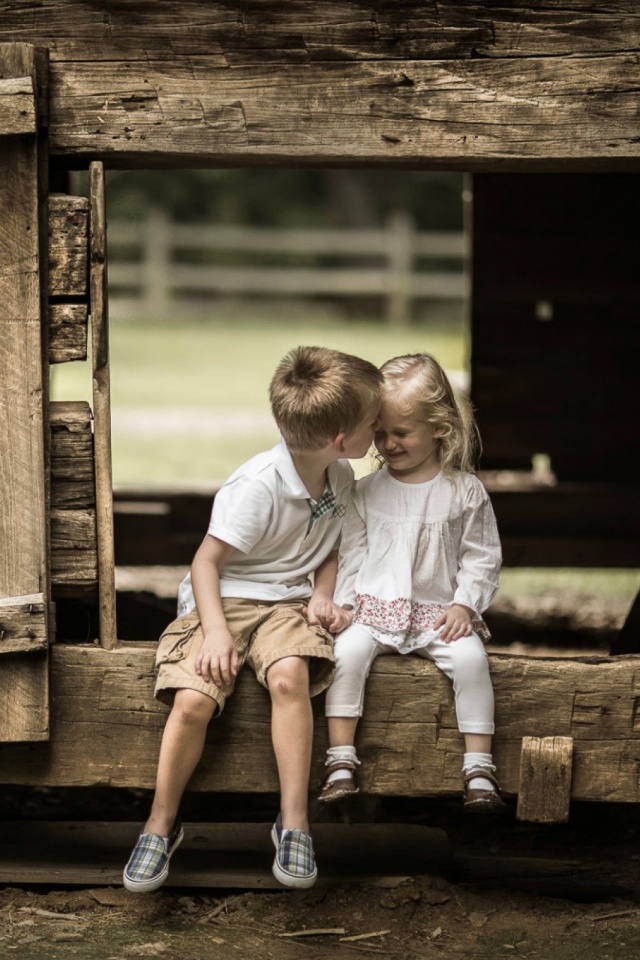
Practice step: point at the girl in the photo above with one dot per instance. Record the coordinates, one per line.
(419, 563)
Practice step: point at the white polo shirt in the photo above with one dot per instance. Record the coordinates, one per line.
(263, 510)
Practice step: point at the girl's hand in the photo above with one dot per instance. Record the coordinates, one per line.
(218, 659)
(455, 623)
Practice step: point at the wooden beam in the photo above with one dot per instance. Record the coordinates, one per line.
(223, 855)
(17, 106)
(67, 332)
(68, 246)
(106, 726)
(102, 405)
(544, 794)
(23, 624)
(464, 86)
(24, 680)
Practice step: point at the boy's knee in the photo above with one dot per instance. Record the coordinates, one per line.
(288, 677)
(192, 708)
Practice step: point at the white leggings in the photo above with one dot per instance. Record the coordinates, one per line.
(464, 661)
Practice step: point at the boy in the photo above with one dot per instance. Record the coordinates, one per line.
(248, 597)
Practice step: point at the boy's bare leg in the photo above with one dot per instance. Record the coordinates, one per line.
(181, 749)
(342, 731)
(292, 736)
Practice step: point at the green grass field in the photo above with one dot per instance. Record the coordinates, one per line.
(190, 400)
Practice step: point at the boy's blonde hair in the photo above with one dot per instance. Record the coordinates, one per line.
(421, 388)
(317, 393)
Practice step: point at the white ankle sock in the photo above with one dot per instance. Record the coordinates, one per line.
(485, 762)
(335, 755)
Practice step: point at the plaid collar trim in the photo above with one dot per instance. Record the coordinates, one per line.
(319, 507)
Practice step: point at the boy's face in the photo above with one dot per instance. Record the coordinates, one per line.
(357, 443)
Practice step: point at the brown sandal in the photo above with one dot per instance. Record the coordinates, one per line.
(482, 800)
(344, 786)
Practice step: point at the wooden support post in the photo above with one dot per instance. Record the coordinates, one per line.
(102, 405)
(23, 624)
(24, 680)
(545, 779)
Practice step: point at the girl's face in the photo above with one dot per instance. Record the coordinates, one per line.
(408, 446)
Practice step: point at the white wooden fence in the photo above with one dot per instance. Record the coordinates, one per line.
(152, 283)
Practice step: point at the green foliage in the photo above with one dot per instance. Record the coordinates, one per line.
(284, 197)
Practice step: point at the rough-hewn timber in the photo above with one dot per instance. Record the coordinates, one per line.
(24, 679)
(68, 246)
(17, 106)
(106, 726)
(465, 85)
(67, 332)
(23, 624)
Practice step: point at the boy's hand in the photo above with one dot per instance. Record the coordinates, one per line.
(455, 623)
(218, 659)
(328, 614)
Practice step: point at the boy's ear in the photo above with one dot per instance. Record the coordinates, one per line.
(339, 442)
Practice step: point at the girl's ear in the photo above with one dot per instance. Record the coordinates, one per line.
(441, 431)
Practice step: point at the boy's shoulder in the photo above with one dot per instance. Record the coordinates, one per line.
(275, 469)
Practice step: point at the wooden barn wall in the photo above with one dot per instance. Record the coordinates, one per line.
(465, 85)
(555, 336)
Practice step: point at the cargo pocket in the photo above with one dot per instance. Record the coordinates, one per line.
(174, 643)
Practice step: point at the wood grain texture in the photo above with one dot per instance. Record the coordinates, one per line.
(67, 332)
(102, 406)
(23, 624)
(68, 246)
(107, 726)
(461, 85)
(17, 106)
(24, 679)
(544, 795)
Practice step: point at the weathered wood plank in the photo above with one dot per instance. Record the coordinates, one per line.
(68, 246)
(23, 624)
(219, 855)
(468, 86)
(107, 726)
(308, 30)
(67, 332)
(17, 106)
(102, 406)
(544, 794)
(24, 689)
(74, 562)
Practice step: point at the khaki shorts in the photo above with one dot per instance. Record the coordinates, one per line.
(263, 632)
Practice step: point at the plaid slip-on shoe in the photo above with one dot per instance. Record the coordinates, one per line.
(294, 864)
(148, 865)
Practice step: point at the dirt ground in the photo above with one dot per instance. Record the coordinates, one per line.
(420, 917)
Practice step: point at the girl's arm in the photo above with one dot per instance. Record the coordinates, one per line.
(218, 659)
(353, 545)
(480, 554)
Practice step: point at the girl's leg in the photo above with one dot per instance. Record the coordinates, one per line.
(355, 650)
(466, 663)
(181, 749)
(292, 735)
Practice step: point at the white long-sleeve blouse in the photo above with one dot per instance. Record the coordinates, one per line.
(410, 550)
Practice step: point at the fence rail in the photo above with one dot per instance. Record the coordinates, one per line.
(147, 276)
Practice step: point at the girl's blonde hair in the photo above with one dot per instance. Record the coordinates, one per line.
(421, 388)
